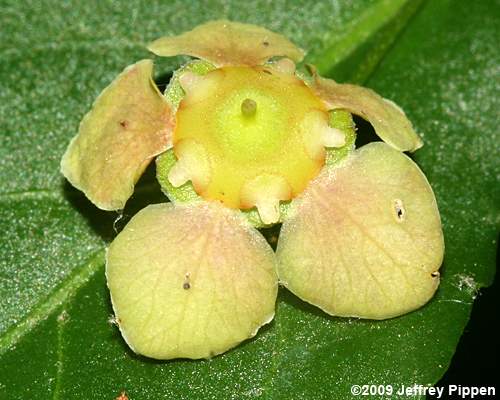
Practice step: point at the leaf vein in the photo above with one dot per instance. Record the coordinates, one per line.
(46, 307)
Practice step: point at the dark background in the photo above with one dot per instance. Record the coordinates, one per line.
(475, 362)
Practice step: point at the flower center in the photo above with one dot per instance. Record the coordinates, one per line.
(249, 137)
(248, 108)
(250, 124)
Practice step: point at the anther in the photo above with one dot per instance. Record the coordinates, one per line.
(318, 134)
(333, 137)
(178, 174)
(265, 193)
(269, 210)
(285, 66)
(189, 81)
(192, 165)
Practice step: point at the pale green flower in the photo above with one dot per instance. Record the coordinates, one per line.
(245, 141)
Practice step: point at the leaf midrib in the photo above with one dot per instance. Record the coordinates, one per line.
(364, 28)
(46, 307)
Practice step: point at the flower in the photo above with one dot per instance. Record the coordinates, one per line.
(245, 141)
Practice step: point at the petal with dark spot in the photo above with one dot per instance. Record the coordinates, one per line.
(365, 238)
(224, 42)
(190, 281)
(129, 124)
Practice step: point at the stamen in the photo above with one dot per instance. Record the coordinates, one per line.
(318, 134)
(199, 87)
(179, 174)
(269, 210)
(265, 192)
(192, 165)
(248, 107)
(189, 81)
(333, 137)
(285, 66)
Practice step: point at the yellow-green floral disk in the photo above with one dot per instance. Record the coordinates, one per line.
(234, 154)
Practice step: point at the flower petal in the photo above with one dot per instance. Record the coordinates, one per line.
(224, 42)
(190, 281)
(388, 120)
(365, 238)
(129, 124)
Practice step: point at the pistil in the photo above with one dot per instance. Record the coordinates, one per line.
(248, 108)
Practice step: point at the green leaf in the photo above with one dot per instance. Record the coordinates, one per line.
(436, 59)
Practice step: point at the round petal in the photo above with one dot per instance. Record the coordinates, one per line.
(190, 281)
(388, 120)
(365, 238)
(224, 42)
(129, 124)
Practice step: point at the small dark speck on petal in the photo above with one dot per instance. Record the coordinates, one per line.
(124, 124)
(400, 210)
(186, 286)
(266, 43)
